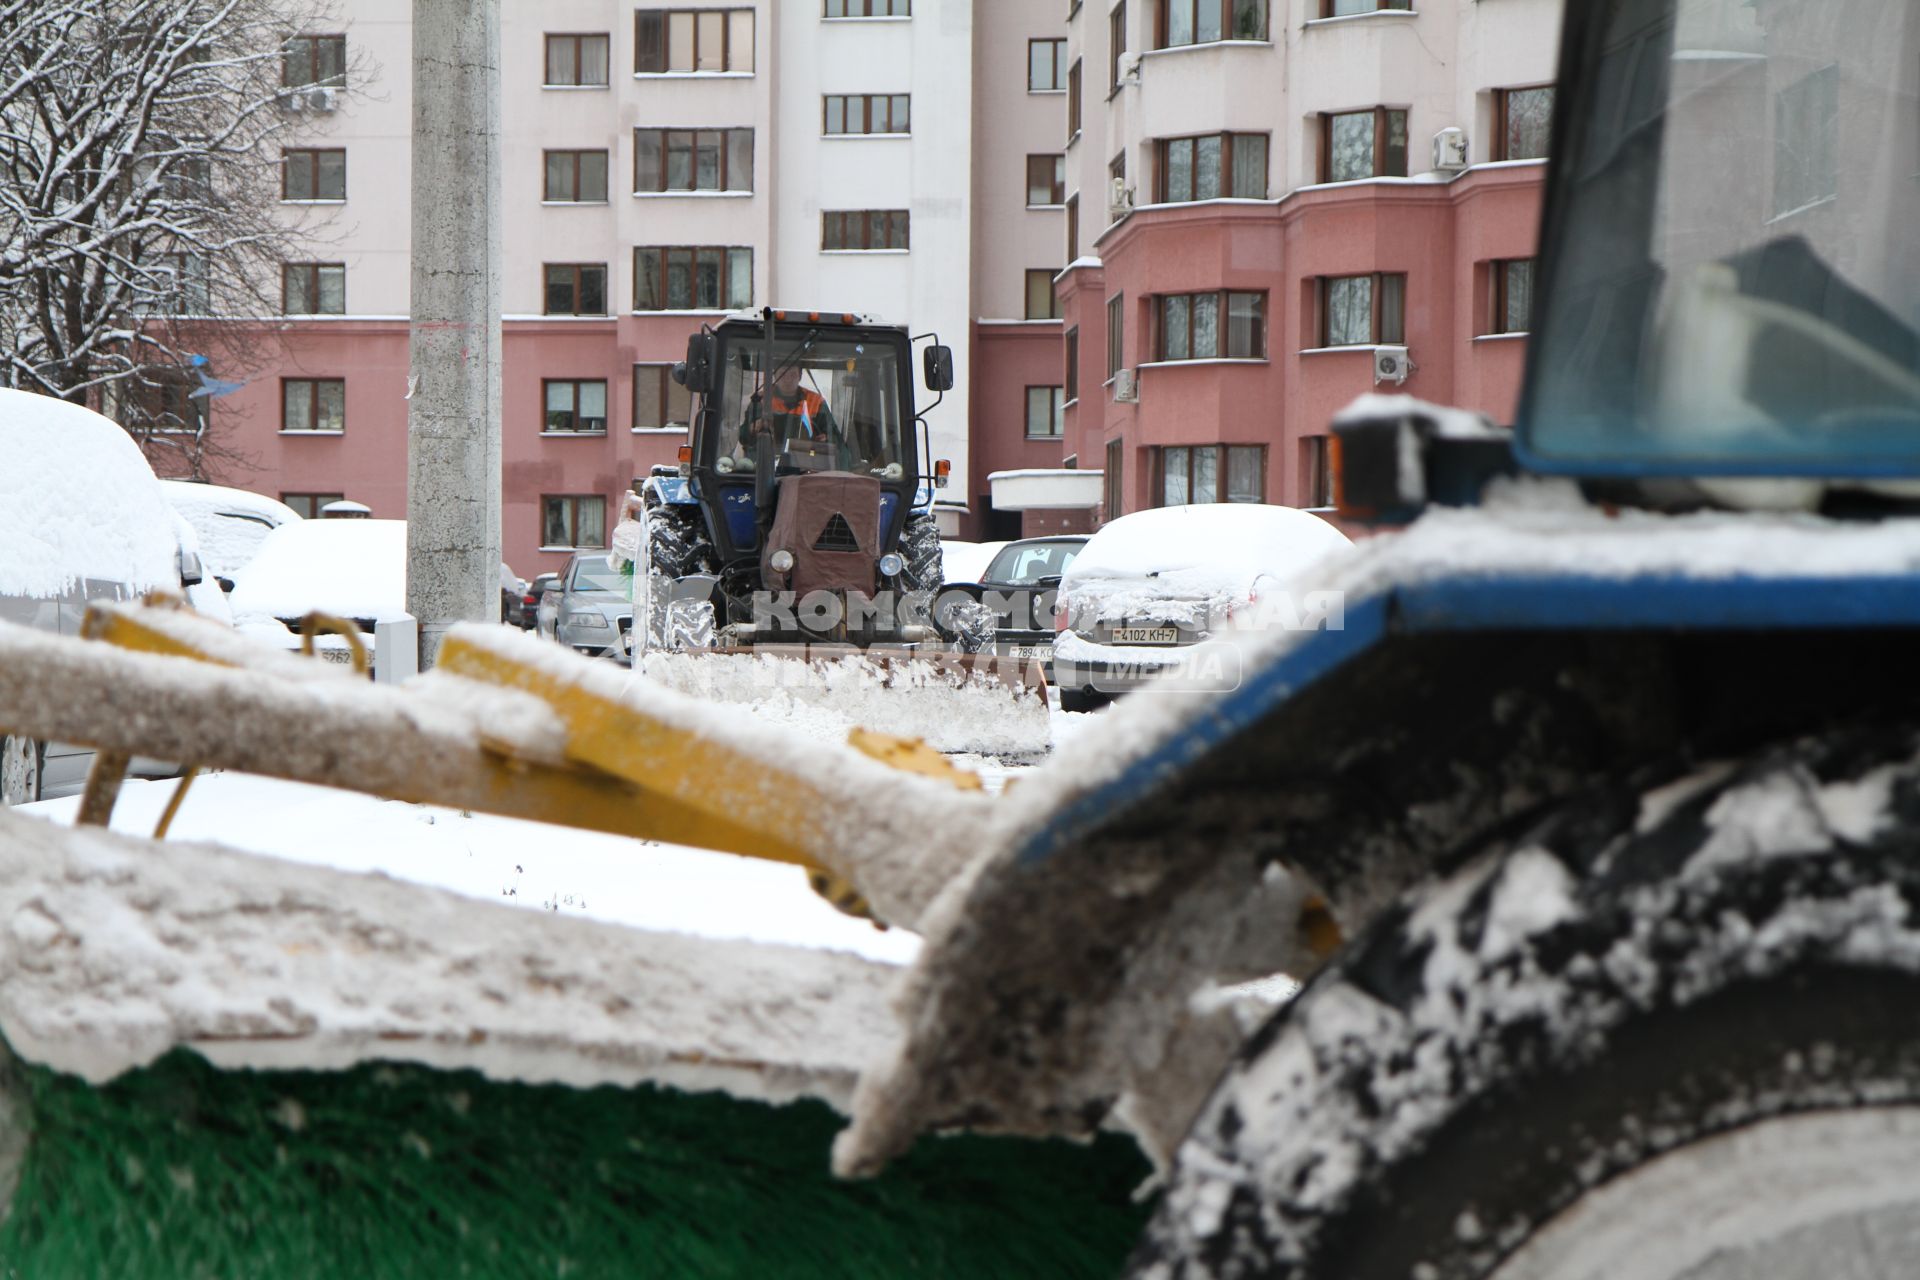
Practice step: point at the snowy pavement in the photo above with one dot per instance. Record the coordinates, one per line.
(581, 873)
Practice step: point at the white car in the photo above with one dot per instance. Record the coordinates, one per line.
(1151, 584)
(231, 523)
(352, 569)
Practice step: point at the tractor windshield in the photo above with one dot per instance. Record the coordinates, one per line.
(828, 401)
(1730, 280)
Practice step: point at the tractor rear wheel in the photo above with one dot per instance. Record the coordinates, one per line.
(22, 761)
(675, 545)
(1665, 1033)
(920, 548)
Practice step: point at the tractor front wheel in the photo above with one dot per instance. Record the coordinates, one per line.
(1667, 1032)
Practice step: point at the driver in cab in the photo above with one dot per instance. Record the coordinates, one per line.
(789, 412)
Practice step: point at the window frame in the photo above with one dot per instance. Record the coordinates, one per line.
(572, 506)
(826, 13)
(1498, 312)
(1056, 182)
(658, 268)
(867, 103)
(337, 79)
(1328, 7)
(1382, 131)
(313, 406)
(663, 399)
(1053, 293)
(1163, 24)
(578, 39)
(546, 174)
(546, 406)
(1116, 45)
(1116, 334)
(1056, 412)
(1222, 324)
(665, 18)
(1113, 498)
(311, 159)
(1223, 452)
(1073, 102)
(664, 152)
(1377, 326)
(579, 270)
(1070, 385)
(1316, 472)
(902, 218)
(1058, 60)
(1502, 148)
(313, 270)
(311, 502)
(1163, 184)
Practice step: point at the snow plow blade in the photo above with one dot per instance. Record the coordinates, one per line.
(979, 703)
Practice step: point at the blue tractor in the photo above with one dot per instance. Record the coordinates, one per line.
(1596, 825)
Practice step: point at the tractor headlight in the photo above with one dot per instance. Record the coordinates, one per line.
(891, 564)
(724, 466)
(781, 561)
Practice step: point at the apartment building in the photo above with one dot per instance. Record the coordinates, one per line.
(1273, 208)
(662, 166)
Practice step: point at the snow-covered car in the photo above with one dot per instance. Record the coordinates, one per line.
(595, 608)
(966, 561)
(231, 523)
(352, 569)
(1151, 584)
(82, 520)
(1019, 587)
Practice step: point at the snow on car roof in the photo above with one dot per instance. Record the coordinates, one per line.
(77, 500)
(232, 523)
(1208, 546)
(353, 568)
(966, 561)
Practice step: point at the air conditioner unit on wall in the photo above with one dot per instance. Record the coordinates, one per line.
(1450, 149)
(1126, 386)
(1390, 364)
(1119, 200)
(320, 98)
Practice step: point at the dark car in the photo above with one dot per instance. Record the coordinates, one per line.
(530, 603)
(1020, 586)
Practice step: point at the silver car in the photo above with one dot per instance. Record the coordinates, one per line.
(596, 608)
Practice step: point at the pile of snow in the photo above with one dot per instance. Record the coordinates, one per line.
(350, 568)
(1176, 563)
(231, 523)
(966, 561)
(77, 501)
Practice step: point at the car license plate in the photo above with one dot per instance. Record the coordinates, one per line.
(1146, 635)
(1040, 651)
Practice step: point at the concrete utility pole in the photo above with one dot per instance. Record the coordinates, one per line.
(453, 411)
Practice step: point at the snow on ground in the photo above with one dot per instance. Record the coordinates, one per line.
(77, 501)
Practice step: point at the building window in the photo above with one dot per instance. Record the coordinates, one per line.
(692, 160)
(659, 401)
(313, 404)
(576, 177)
(1347, 8)
(1072, 383)
(1116, 333)
(1116, 45)
(1073, 100)
(1046, 66)
(1042, 302)
(1046, 181)
(868, 9)
(1191, 326)
(312, 60)
(575, 404)
(1316, 472)
(577, 61)
(1208, 168)
(1043, 412)
(184, 287)
(1190, 475)
(1073, 229)
(1522, 123)
(1359, 311)
(865, 113)
(1363, 144)
(692, 278)
(1806, 141)
(864, 230)
(1205, 21)
(689, 41)
(573, 520)
(308, 505)
(576, 289)
(1115, 497)
(1513, 296)
(313, 173)
(313, 288)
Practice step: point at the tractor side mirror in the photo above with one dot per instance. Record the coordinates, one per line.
(939, 367)
(696, 373)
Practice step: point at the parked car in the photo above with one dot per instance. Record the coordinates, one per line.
(513, 596)
(1148, 585)
(1020, 585)
(595, 607)
(231, 523)
(82, 520)
(353, 569)
(542, 604)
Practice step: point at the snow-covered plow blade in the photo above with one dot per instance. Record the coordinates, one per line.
(978, 703)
